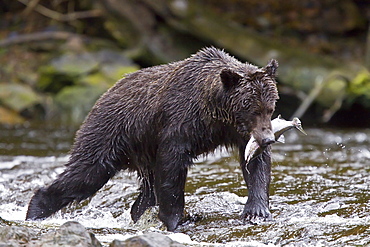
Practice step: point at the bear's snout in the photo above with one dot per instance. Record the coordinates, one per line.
(264, 137)
(267, 141)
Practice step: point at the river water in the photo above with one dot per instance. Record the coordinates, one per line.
(320, 191)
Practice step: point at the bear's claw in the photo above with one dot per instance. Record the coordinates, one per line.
(254, 213)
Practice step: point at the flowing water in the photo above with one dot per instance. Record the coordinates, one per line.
(320, 191)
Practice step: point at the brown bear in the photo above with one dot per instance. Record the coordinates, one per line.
(156, 121)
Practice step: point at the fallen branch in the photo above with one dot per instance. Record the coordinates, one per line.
(367, 55)
(30, 7)
(38, 36)
(319, 85)
(62, 17)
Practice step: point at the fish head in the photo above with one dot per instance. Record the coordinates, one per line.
(298, 125)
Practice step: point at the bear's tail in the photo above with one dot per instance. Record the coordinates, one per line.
(76, 183)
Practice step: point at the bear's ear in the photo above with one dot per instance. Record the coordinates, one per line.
(230, 78)
(271, 68)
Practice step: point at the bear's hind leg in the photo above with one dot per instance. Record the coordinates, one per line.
(76, 183)
(146, 198)
(170, 178)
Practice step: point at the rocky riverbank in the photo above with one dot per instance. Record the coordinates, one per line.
(74, 234)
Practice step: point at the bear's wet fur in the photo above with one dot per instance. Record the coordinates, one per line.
(257, 175)
(156, 121)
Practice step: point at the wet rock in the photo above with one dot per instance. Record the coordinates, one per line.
(15, 236)
(69, 234)
(74, 234)
(147, 240)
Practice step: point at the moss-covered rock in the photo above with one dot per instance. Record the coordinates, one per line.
(75, 81)
(359, 87)
(52, 81)
(102, 68)
(18, 97)
(74, 102)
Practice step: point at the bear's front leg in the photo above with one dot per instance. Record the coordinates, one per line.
(257, 175)
(170, 176)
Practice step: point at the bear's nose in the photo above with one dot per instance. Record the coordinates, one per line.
(267, 141)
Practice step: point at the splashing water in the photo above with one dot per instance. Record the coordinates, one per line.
(320, 192)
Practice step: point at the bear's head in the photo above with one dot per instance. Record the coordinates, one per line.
(252, 94)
